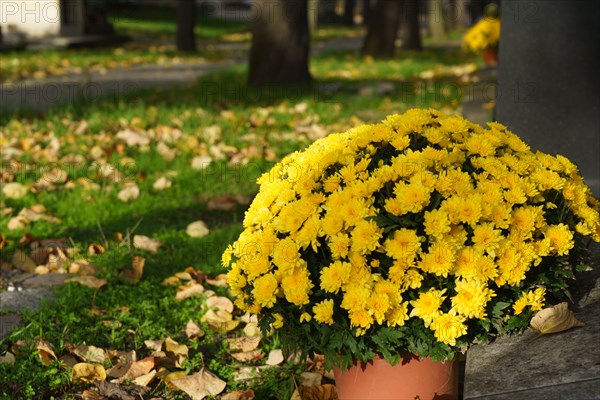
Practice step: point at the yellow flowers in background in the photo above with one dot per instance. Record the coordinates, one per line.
(424, 223)
(485, 34)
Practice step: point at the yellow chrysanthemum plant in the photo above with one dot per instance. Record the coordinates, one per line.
(419, 235)
(484, 35)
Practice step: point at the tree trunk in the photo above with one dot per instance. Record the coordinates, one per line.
(436, 20)
(349, 12)
(382, 30)
(280, 43)
(367, 8)
(409, 27)
(313, 15)
(186, 20)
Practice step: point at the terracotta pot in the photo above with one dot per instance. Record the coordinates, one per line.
(406, 380)
(490, 56)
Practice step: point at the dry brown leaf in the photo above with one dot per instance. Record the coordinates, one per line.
(162, 183)
(168, 377)
(171, 281)
(246, 373)
(189, 290)
(17, 222)
(146, 243)
(220, 320)
(555, 319)
(15, 190)
(310, 379)
(175, 352)
(89, 281)
(275, 357)
(94, 249)
(247, 394)
(135, 369)
(8, 358)
(184, 276)
(319, 392)
(45, 352)
(144, 380)
(155, 345)
(193, 331)
(248, 356)
(252, 330)
(91, 354)
(243, 343)
(128, 193)
(200, 385)
(201, 162)
(23, 262)
(133, 138)
(220, 303)
(197, 229)
(219, 280)
(84, 372)
(2, 241)
(90, 395)
(134, 274)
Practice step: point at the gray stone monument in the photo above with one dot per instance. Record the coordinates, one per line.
(548, 93)
(549, 78)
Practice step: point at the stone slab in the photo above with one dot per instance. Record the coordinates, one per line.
(24, 299)
(529, 367)
(8, 323)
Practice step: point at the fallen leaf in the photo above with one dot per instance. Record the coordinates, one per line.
(275, 357)
(8, 358)
(246, 373)
(134, 369)
(177, 353)
(197, 229)
(244, 343)
(248, 356)
(201, 162)
(200, 385)
(128, 193)
(17, 222)
(162, 183)
(144, 380)
(134, 274)
(166, 152)
(95, 248)
(555, 319)
(84, 372)
(219, 280)
(220, 303)
(192, 330)
(220, 320)
(171, 281)
(121, 392)
(155, 345)
(2, 241)
(23, 262)
(189, 290)
(252, 330)
(310, 379)
(41, 270)
(172, 376)
(89, 281)
(91, 395)
(146, 243)
(45, 352)
(133, 138)
(15, 190)
(319, 392)
(91, 354)
(247, 394)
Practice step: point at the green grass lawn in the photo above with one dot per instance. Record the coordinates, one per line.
(257, 127)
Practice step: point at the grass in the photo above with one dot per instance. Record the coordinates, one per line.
(275, 120)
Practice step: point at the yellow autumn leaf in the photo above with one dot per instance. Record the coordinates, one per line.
(554, 319)
(84, 372)
(200, 385)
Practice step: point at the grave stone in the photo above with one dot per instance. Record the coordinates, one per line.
(548, 77)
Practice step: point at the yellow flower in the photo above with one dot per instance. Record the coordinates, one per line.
(297, 286)
(365, 236)
(427, 306)
(471, 298)
(335, 276)
(533, 298)
(323, 312)
(377, 305)
(339, 244)
(561, 238)
(398, 315)
(355, 297)
(404, 245)
(486, 238)
(265, 290)
(436, 223)
(278, 323)
(361, 319)
(448, 327)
